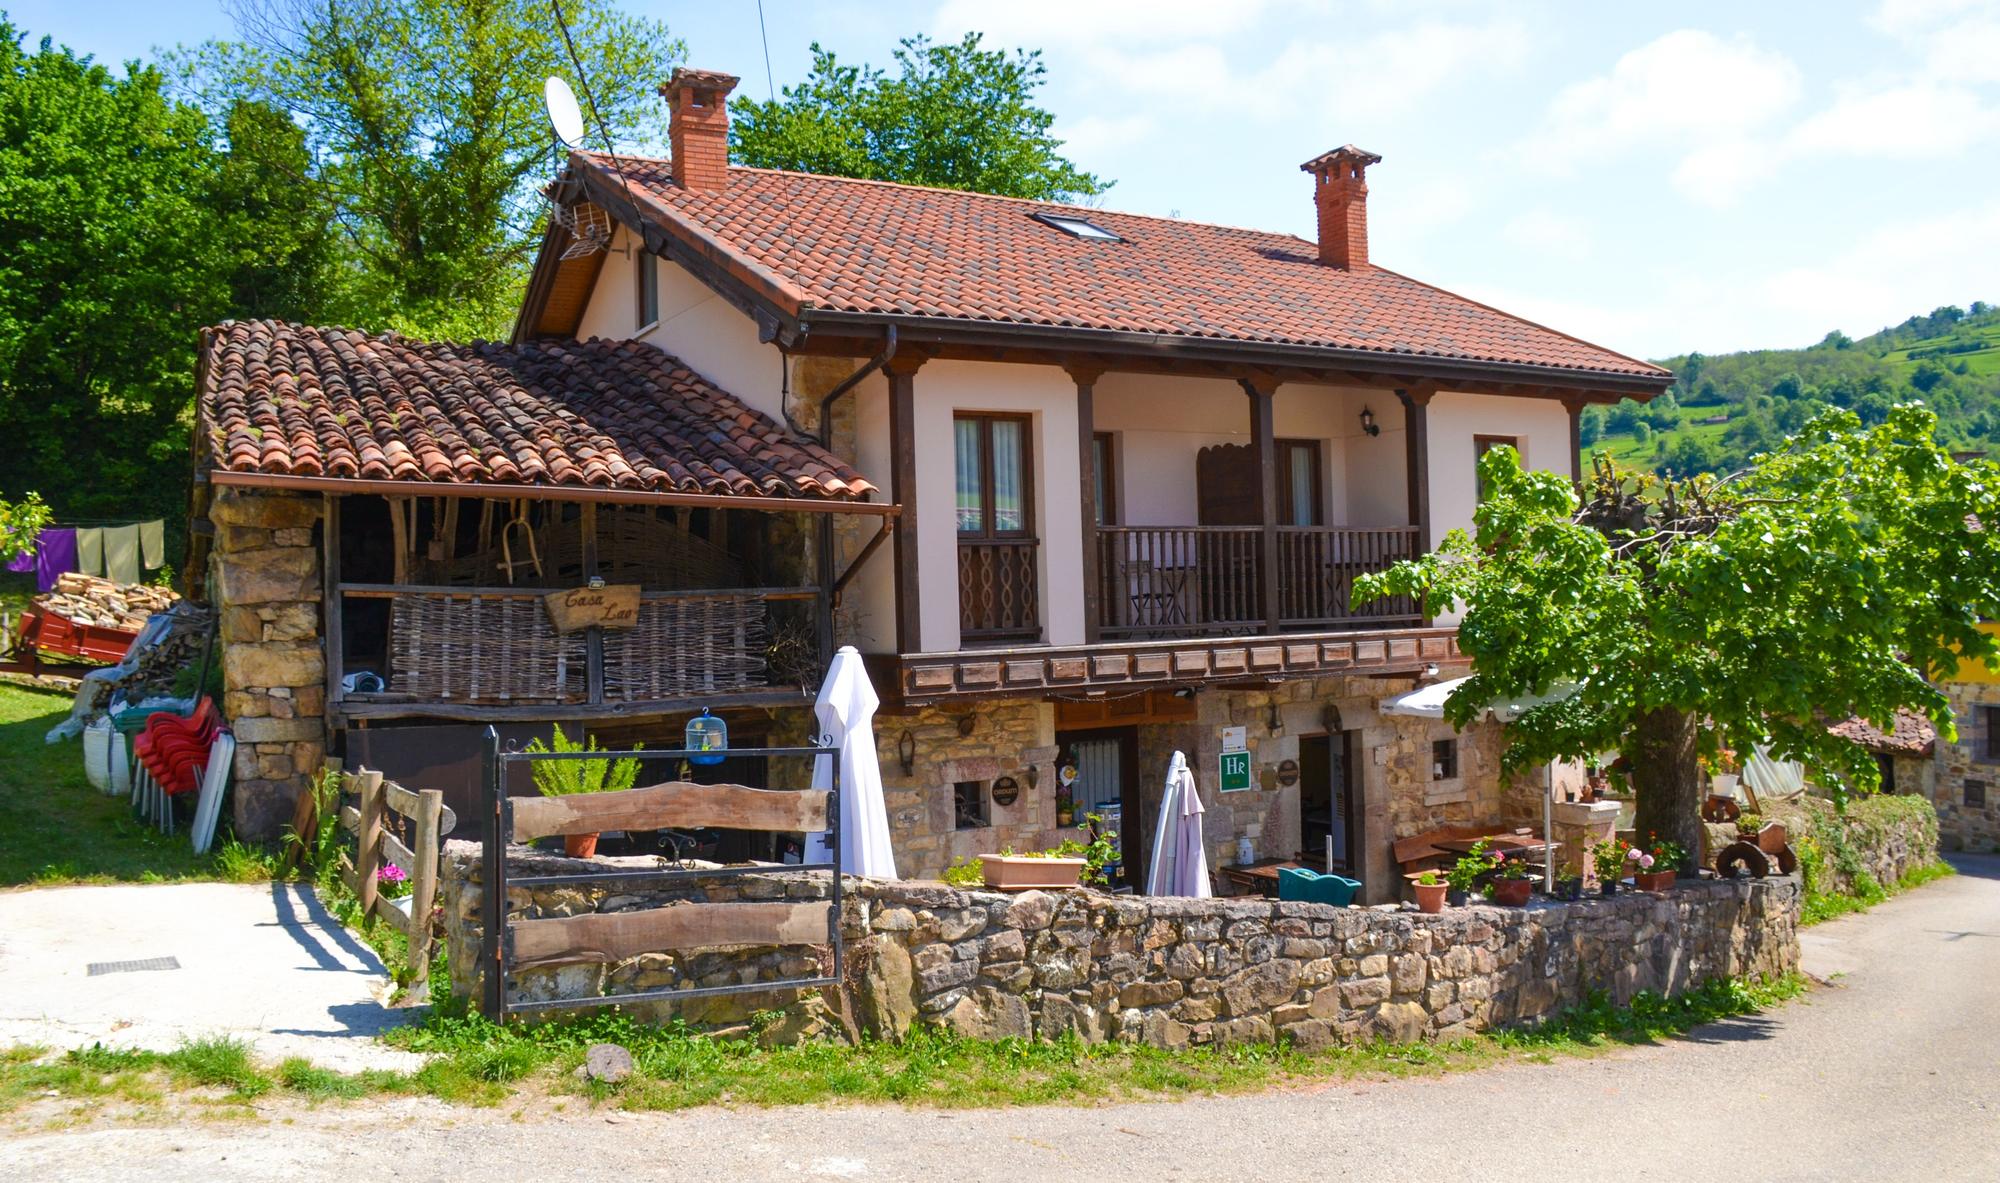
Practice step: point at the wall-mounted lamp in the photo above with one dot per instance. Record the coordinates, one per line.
(906, 752)
(1034, 776)
(966, 723)
(1368, 423)
(1329, 717)
(1430, 670)
(1272, 720)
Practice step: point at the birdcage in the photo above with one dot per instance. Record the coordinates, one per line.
(706, 733)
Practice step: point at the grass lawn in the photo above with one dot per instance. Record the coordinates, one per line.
(1629, 452)
(477, 1063)
(55, 828)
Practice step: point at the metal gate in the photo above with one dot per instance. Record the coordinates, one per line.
(505, 943)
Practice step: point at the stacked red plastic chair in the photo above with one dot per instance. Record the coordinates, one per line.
(172, 753)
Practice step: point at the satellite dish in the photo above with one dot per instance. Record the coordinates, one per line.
(564, 115)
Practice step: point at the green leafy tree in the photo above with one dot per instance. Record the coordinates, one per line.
(424, 123)
(111, 258)
(956, 116)
(1820, 583)
(20, 522)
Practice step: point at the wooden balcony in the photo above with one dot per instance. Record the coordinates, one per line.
(493, 653)
(999, 590)
(1160, 582)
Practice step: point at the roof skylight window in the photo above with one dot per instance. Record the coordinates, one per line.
(1078, 227)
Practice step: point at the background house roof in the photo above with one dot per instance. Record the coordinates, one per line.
(1912, 734)
(835, 243)
(291, 400)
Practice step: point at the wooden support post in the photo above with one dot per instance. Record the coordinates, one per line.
(1086, 378)
(423, 883)
(1417, 451)
(331, 604)
(1574, 405)
(1263, 430)
(902, 371)
(594, 636)
(368, 840)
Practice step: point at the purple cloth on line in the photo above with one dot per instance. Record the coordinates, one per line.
(55, 554)
(22, 563)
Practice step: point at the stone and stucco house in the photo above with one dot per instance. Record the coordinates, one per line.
(1084, 487)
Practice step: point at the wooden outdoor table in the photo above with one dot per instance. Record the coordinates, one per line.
(1260, 876)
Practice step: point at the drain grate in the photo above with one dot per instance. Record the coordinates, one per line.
(126, 967)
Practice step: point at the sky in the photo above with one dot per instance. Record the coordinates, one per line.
(1652, 177)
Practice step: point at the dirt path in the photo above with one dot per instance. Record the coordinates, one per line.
(1887, 1074)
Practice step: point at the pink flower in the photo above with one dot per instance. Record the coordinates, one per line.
(390, 873)
(1646, 861)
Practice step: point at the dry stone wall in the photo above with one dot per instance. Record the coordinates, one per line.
(265, 579)
(1966, 784)
(1163, 971)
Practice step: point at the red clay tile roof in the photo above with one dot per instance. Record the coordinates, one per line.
(836, 243)
(290, 400)
(1912, 735)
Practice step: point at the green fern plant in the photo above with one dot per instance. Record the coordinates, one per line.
(560, 778)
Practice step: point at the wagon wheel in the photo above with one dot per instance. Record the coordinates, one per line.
(1787, 861)
(1742, 856)
(1720, 810)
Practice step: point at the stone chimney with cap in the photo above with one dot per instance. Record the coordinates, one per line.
(1341, 194)
(698, 126)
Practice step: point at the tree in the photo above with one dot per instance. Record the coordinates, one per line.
(427, 139)
(111, 259)
(20, 522)
(1823, 582)
(955, 116)
(1590, 427)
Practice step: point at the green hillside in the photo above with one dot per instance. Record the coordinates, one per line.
(1727, 407)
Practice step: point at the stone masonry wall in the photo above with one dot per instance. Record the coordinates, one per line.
(265, 576)
(1167, 972)
(1006, 738)
(1964, 823)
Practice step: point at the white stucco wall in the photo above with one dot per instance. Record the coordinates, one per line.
(1048, 396)
(710, 334)
(1541, 425)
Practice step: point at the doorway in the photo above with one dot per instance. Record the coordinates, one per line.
(1106, 762)
(1328, 795)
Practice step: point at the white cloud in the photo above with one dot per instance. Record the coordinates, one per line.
(1958, 40)
(1916, 120)
(1096, 22)
(1364, 79)
(1934, 259)
(1680, 91)
(1095, 134)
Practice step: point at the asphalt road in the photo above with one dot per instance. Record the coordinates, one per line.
(1890, 1072)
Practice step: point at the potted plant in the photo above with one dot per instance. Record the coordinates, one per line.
(1065, 806)
(1466, 873)
(1569, 887)
(1036, 870)
(1607, 858)
(561, 778)
(1656, 862)
(1512, 883)
(1430, 889)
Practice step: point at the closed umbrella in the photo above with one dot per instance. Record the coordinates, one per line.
(1180, 854)
(846, 710)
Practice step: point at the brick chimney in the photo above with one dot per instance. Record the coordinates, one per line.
(1341, 194)
(698, 126)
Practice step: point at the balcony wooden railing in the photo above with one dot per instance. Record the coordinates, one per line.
(489, 651)
(1178, 581)
(999, 590)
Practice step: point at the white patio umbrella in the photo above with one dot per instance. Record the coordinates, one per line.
(846, 710)
(1180, 852)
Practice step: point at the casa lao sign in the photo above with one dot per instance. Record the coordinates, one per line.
(614, 605)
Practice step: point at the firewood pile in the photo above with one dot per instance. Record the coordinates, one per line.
(87, 599)
(159, 668)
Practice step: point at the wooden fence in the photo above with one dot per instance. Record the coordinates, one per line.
(509, 945)
(376, 842)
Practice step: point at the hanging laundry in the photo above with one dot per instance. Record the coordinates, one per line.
(153, 544)
(121, 554)
(90, 551)
(55, 554)
(23, 563)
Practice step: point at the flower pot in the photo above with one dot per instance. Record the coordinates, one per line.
(580, 845)
(1511, 893)
(1065, 817)
(1772, 838)
(1430, 896)
(1607, 887)
(1014, 872)
(1456, 897)
(1569, 889)
(1654, 880)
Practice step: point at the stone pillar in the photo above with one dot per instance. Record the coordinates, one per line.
(1578, 827)
(265, 577)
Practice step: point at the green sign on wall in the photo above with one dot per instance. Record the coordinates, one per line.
(1234, 770)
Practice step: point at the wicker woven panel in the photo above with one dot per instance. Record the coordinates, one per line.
(682, 648)
(480, 649)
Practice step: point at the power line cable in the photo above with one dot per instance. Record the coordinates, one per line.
(770, 83)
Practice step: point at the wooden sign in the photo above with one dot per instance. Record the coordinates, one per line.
(612, 606)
